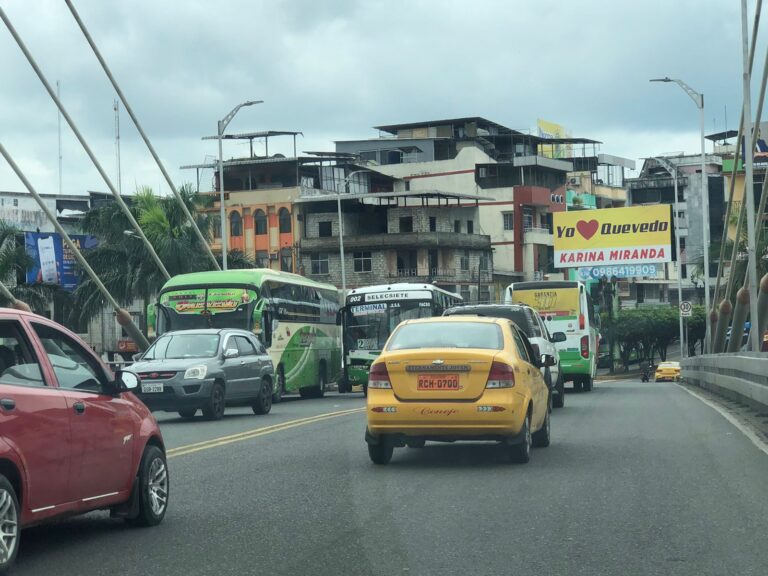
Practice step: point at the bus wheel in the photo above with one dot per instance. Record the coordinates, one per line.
(587, 383)
(277, 395)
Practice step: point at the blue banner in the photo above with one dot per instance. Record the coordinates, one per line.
(53, 261)
(623, 271)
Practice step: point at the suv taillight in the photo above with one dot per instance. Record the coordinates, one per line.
(585, 346)
(501, 376)
(378, 377)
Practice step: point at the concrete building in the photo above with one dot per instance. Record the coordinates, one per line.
(654, 186)
(521, 184)
(282, 211)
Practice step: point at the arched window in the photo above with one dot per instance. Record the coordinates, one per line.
(285, 220)
(235, 224)
(260, 223)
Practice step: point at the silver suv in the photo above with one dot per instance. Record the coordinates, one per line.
(529, 321)
(190, 370)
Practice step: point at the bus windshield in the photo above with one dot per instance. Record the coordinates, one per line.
(369, 325)
(188, 309)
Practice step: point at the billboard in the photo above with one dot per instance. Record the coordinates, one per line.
(53, 262)
(548, 129)
(613, 236)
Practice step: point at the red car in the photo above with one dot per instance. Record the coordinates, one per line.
(73, 438)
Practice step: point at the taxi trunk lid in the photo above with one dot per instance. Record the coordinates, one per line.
(439, 374)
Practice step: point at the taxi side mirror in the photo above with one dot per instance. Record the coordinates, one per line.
(547, 360)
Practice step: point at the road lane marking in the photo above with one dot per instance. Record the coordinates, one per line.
(754, 438)
(256, 432)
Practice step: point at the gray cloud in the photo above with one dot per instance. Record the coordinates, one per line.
(334, 69)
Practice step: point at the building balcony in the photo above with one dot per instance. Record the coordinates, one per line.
(441, 275)
(533, 235)
(400, 240)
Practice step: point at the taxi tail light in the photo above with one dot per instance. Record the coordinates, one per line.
(501, 376)
(585, 346)
(378, 377)
(582, 322)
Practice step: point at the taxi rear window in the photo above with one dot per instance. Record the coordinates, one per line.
(447, 335)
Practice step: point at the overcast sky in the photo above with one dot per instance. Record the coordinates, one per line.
(334, 68)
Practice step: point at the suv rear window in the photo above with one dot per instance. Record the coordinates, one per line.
(517, 315)
(447, 335)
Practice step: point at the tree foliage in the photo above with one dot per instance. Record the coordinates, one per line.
(644, 332)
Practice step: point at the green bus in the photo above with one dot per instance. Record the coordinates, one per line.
(293, 316)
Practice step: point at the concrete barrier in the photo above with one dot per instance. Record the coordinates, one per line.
(742, 376)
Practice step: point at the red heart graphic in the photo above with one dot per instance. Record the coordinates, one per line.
(587, 229)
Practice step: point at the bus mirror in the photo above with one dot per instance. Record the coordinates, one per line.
(338, 318)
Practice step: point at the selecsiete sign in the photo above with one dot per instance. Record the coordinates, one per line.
(613, 236)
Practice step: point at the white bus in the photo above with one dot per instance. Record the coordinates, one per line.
(371, 313)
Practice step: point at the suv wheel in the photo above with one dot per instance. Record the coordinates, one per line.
(559, 400)
(10, 515)
(263, 404)
(153, 487)
(214, 408)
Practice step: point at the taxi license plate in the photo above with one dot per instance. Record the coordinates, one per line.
(150, 388)
(438, 382)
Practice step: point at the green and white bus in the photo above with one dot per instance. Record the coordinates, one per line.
(293, 316)
(371, 313)
(565, 307)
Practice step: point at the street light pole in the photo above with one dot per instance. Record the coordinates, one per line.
(698, 99)
(222, 125)
(672, 169)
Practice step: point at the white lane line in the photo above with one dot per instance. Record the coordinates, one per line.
(754, 438)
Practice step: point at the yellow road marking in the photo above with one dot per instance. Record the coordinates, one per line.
(248, 434)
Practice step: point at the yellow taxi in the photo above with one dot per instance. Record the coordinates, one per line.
(457, 378)
(668, 371)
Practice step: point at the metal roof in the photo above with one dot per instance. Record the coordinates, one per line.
(479, 120)
(409, 194)
(722, 135)
(251, 135)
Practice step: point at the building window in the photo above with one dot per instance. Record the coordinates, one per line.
(484, 295)
(262, 259)
(15, 202)
(284, 218)
(319, 263)
(216, 225)
(286, 260)
(465, 293)
(432, 224)
(470, 227)
(363, 262)
(484, 263)
(457, 226)
(324, 229)
(509, 220)
(235, 224)
(260, 223)
(406, 224)
(465, 260)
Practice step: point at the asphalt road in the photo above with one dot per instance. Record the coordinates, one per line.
(640, 479)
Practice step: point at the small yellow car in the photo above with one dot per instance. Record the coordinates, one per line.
(457, 378)
(668, 371)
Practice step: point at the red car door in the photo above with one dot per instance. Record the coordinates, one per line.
(102, 425)
(34, 422)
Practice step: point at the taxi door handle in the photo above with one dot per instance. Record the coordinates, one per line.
(79, 407)
(8, 404)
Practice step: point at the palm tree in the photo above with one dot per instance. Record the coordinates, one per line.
(123, 263)
(14, 262)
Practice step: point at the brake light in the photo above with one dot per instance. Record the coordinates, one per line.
(500, 376)
(581, 322)
(378, 377)
(585, 346)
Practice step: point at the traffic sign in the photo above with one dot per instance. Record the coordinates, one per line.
(686, 309)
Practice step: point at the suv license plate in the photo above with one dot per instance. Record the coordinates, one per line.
(150, 388)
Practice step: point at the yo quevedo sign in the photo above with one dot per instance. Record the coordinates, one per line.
(635, 235)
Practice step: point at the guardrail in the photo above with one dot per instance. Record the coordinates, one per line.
(742, 376)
